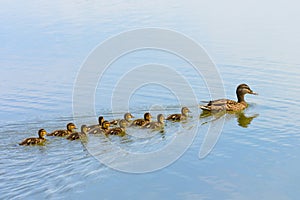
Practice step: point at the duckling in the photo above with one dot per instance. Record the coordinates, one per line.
(127, 117)
(159, 124)
(62, 133)
(118, 130)
(105, 126)
(230, 105)
(79, 135)
(142, 122)
(99, 125)
(40, 140)
(178, 117)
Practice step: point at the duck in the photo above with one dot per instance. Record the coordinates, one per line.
(159, 124)
(127, 117)
(98, 130)
(230, 105)
(178, 117)
(118, 130)
(79, 135)
(99, 125)
(62, 133)
(142, 122)
(33, 141)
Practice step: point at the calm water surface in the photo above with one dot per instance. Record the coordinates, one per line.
(43, 46)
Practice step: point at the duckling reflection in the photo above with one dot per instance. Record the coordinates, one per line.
(243, 120)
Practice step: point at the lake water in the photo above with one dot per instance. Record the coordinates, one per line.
(43, 47)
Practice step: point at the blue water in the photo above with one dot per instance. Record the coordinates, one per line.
(43, 46)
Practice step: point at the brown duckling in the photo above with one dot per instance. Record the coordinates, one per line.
(142, 122)
(79, 135)
(178, 117)
(127, 117)
(99, 125)
(105, 126)
(159, 124)
(230, 105)
(118, 130)
(62, 133)
(32, 141)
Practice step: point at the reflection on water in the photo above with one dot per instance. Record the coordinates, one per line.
(242, 119)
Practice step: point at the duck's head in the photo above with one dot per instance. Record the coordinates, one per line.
(100, 120)
(84, 129)
(128, 116)
(71, 127)
(42, 133)
(122, 123)
(185, 110)
(147, 116)
(105, 125)
(160, 118)
(243, 89)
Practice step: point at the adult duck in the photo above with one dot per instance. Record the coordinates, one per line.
(230, 105)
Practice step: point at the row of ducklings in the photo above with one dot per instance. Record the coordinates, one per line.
(104, 127)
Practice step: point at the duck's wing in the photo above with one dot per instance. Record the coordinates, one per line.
(114, 131)
(59, 133)
(32, 141)
(174, 117)
(138, 122)
(73, 136)
(114, 122)
(217, 105)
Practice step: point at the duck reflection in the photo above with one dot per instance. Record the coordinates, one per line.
(242, 119)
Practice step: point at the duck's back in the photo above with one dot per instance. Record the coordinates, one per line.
(32, 141)
(59, 133)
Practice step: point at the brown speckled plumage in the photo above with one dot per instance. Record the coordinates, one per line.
(62, 133)
(178, 117)
(230, 105)
(142, 122)
(78, 135)
(33, 141)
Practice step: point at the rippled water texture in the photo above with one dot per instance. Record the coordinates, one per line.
(43, 46)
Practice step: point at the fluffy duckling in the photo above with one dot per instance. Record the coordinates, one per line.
(32, 141)
(159, 124)
(127, 117)
(62, 133)
(230, 105)
(118, 130)
(142, 122)
(79, 135)
(178, 117)
(99, 125)
(105, 126)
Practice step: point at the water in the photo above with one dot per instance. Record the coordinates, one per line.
(43, 46)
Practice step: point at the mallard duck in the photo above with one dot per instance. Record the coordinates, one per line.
(62, 133)
(178, 117)
(118, 130)
(159, 124)
(99, 125)
(105, 126)
(127, 117)
(230, 105)
(142, 122)
(40, 140)
(78, 135)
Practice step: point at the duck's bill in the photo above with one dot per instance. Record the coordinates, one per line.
(254, 93)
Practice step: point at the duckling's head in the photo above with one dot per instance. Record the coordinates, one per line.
(84, 128)
(147, 116)
(128, 116)
(185, 110)
(42, 133)
(160, 118)
(71, 126)
(105, 125)
(243, 89)
(122, 123)
(100, 120)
